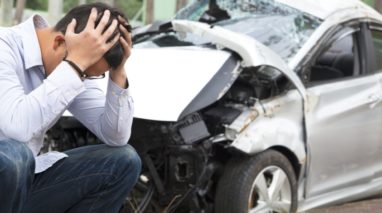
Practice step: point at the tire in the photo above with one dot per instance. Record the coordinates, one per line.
(238, 190)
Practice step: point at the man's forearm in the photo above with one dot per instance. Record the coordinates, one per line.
(118, 115)
(108, 117)
(33, 113)
(119, 77)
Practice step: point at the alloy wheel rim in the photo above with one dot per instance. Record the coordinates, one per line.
(270, 192)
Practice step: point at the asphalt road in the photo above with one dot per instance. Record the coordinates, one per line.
(366, 206)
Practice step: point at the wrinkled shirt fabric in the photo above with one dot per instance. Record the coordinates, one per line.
(31, 103)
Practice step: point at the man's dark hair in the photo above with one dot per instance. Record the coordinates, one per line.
(81, 13)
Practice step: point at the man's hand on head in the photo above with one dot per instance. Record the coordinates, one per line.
(88, 47)
(118, 75)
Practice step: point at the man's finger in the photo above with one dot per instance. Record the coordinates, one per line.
(103, 22)
(125, 23)
(129, 40)
(110, 30)
(126, 34)
(71, 26)
(91, 21)
(125, 46)
(112, 42)
(122, 20)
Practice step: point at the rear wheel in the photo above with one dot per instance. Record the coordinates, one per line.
(264, 183)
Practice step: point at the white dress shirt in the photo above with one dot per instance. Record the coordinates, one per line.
(30, 102)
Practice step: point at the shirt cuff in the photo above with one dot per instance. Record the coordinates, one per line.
(117, 95)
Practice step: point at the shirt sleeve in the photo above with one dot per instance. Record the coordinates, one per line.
(22, 116)
(108, 116)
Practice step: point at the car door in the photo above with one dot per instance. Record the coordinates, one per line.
(343, 117)
(374, 56)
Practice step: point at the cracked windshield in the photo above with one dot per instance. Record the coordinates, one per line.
(278, 26)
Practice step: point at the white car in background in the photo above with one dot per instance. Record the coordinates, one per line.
(254, 106)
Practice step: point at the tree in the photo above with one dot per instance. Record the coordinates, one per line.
(55, 9)
(149, 11)
(378, 5)
(6, 12)
(180, 4)
(20, 6)
(37, 4)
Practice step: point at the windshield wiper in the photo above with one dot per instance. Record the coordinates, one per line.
(157, 27)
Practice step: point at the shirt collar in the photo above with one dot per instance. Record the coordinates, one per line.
(32, 51)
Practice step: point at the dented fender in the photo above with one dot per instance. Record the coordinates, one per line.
(278, 122)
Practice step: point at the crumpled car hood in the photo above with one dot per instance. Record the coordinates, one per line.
(165, 80)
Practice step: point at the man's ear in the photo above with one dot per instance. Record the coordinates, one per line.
(59, 40)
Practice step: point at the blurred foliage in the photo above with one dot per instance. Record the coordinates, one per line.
(69, 4)
(129, 7)
(37, 4)
(369, 2)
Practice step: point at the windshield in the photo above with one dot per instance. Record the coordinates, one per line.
(280, 27)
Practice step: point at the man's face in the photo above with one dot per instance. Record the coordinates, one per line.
(98, 68)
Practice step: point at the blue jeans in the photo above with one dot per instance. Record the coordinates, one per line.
(92, 179)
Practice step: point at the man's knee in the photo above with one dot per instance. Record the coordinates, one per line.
(15, 157)
(129, 161)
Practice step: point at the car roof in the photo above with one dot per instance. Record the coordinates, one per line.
(324, 8)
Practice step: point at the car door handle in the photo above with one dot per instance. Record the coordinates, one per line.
(374, 99)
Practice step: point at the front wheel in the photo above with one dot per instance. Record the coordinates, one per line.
(264, 183)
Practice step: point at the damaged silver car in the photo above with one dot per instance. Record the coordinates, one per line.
(253, 106)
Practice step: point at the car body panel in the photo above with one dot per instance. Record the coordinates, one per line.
(216, 87)
(346, 116)
(275, 122)
(336, 117)
(159, 77)
(350, 193)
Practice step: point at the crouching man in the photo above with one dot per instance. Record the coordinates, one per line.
(45, 71)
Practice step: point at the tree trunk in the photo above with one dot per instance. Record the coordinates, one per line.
(378, 5)
(20, 6)
(6, 12)
(149, 11)
(55, 9)
(180, 4)
(81, 2)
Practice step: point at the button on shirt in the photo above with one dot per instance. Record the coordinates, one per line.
(30, 102)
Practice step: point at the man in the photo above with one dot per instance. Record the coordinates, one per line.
(45, 71)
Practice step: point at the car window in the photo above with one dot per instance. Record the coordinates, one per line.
(377, 44)
(336, 62)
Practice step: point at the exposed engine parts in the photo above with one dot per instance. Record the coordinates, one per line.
(181, 160)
